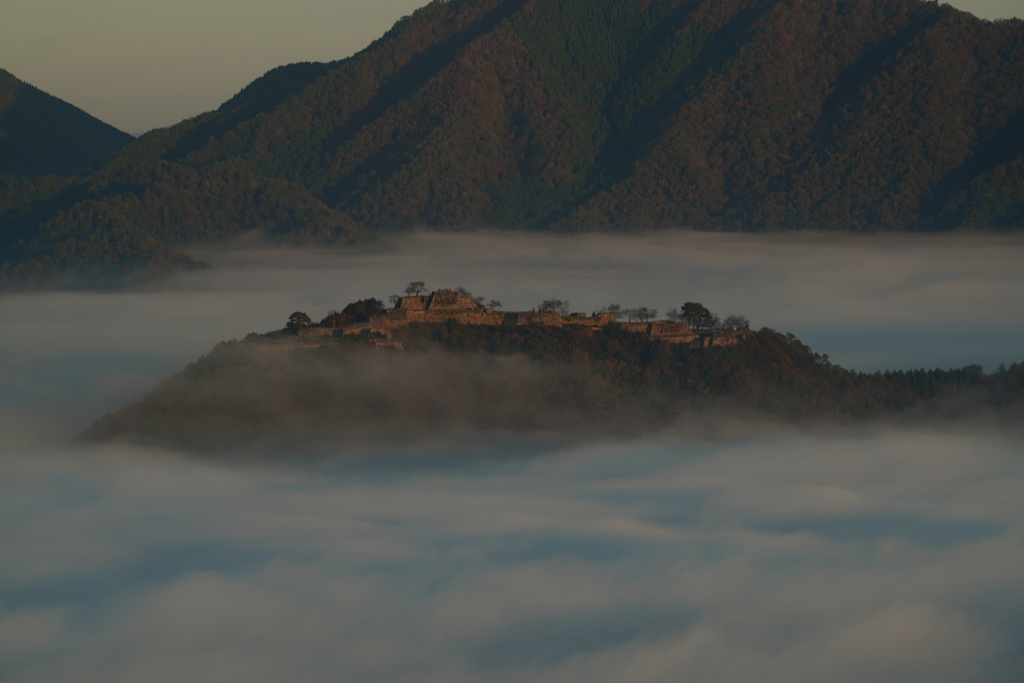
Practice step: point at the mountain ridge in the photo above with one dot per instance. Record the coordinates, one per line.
(602, 115)
(43, 135)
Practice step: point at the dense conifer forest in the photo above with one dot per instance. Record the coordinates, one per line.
(570, 115)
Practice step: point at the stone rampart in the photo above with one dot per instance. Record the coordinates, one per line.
(665, 328)
(639, 328)
(447, 305)
(596, 320)
(448, 300)
(482, 316)
(315, 331)
(530, 318)
(412, 303)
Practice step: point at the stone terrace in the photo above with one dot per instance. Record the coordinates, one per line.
(447, 305)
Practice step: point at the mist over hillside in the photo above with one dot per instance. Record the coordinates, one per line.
(763, 115)
(757, 552)
(281, 392)
(295, 395)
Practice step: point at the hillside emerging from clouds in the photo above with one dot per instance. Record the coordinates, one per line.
(572, 115)
(287, 392)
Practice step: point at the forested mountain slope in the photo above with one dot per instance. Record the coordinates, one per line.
(42, 135)
(575, 115)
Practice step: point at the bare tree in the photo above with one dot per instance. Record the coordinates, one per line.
(494, 304)
(615, 310)
(554, 306)
(416, 288)
(736, 322)
(642, 314)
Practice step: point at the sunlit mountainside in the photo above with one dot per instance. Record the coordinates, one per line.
(571, 115)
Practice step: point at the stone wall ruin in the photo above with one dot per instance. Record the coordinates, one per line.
(448, 305)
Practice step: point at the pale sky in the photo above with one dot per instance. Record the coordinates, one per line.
(142, 64)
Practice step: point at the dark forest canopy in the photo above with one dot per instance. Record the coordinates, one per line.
(42, 135)
(572, 115)
(281, 393)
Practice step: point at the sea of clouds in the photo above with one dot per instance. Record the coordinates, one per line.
(765, 553)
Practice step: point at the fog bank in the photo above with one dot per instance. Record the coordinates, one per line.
(764, 554)
(869, 301)
(892, 557)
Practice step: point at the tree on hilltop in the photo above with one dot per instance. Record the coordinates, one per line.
(298, 320)
(416, 288)
(736, 322)
(554, 306)
(615, 310)
(361, 311)
(642, 314)
(462, 291)
(697, 316)
(334, 318)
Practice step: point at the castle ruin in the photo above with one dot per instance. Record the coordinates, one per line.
(446, 305)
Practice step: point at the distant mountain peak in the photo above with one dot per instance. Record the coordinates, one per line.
(43, 135)
(578, 115)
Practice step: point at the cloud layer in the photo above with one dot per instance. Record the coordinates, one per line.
(764, 555)
(870, 302)
(892, 557)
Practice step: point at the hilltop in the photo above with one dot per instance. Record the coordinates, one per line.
(572, 115)
(42, 135)
(692, 325)
(445, 364)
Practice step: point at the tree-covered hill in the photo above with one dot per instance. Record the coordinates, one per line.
(268, 393)
(42, 135)
(577, 115)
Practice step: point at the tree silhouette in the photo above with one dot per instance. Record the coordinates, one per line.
(736, 322)
(642, 314)
(615, 309)
(361, 311)
(697, 316)
(554, 306)
(298, 320)
(416, 288)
